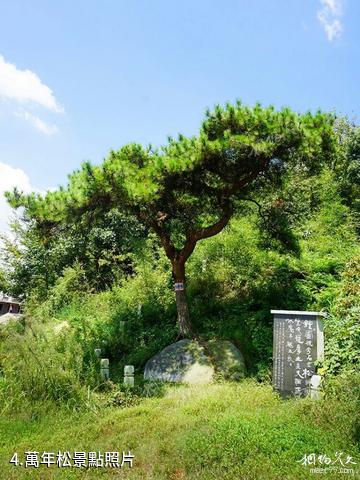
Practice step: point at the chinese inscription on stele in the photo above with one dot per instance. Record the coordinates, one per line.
(298, 344)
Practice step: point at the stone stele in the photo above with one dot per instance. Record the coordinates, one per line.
(186, 361)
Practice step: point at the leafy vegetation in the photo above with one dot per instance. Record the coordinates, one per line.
(105, 281)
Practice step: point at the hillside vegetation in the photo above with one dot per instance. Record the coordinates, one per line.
(105, 281)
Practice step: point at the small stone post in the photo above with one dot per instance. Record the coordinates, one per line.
(315, 387)
(98, 352)
(129, 375)
(104, 369)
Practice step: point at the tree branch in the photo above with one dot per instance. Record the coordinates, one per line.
(169, 248)
(156, 225)
(262, 215)
(193, 237)
(188, 248)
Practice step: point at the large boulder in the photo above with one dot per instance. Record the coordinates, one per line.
(187, 361)
(228, 359)
(183, 361)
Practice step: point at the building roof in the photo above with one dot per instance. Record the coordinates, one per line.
(7, 299)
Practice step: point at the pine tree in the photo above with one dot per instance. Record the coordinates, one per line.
(189, 189)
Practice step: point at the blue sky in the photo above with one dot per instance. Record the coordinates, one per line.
(78, 78)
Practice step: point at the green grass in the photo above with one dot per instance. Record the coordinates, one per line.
(219, 431)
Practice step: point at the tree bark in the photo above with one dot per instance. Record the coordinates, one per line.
(184, 324)
(183, 317)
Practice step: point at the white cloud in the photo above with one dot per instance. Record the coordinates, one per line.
(36, 122)
(329, 15)
(9, 178)
(24, 86)
(334, 6)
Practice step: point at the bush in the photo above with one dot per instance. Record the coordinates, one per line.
(39, 366)
(340, 409)
(342, 329)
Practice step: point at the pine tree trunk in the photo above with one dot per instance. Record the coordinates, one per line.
(185, 328)
(184, 324)
(179, 257)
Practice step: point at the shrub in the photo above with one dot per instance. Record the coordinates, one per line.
(36, 367)
(342, 346)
